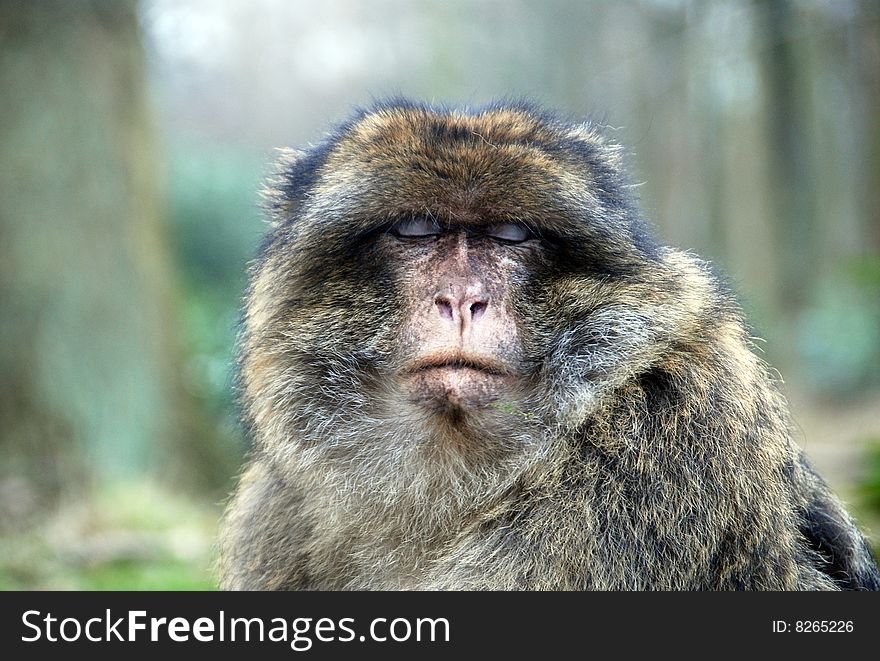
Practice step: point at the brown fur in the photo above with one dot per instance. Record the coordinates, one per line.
(636, 443)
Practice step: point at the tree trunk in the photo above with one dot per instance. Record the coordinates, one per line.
(86, 364)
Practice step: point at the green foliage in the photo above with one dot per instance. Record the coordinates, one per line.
(871, 483)
(134, 536)
(216, 226)
(212, 196)
(168, 575)
(838, 336)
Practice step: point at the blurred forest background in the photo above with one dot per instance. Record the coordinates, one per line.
(134, 137)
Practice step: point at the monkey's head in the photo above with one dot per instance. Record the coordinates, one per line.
(443, 291)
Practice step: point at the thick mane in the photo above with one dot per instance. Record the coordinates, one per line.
(466, 363)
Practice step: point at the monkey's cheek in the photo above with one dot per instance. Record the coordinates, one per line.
(444, 388)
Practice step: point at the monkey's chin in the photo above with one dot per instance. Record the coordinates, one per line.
(456, 389)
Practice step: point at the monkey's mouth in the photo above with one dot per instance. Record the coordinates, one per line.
(457, 381)
(475, 363)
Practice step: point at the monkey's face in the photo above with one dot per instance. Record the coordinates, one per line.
(442, 275)
(459, 342)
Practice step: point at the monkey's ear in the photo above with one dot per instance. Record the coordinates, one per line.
(274, 193)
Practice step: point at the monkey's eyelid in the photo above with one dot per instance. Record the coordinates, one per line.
(414, 227)
(510, 232)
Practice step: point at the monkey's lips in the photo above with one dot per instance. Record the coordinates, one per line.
(457, 382)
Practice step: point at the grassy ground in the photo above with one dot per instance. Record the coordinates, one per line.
(131, 537)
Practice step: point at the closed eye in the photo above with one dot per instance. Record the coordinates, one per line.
(415, 227)
(508, 232)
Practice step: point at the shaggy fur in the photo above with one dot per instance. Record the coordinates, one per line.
(646, 447)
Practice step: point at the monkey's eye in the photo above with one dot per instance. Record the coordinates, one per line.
(415, 227)
(508, 232)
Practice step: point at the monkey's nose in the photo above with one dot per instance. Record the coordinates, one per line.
(463, 310)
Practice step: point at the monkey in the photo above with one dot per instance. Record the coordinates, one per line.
(466, 363)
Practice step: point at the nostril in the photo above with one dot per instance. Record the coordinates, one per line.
(445, 308)
(477, 309)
